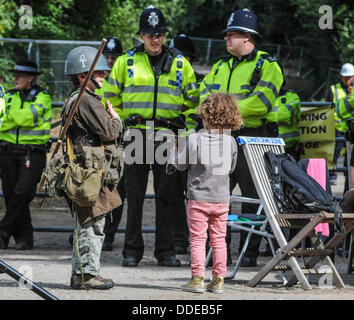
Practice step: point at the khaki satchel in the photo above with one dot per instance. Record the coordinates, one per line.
(82, 185)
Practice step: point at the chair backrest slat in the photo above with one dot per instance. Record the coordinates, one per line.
(254, 152)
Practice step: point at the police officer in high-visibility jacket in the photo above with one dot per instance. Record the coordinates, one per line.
(24, 135)
(345, 112)
(339, 91)
(255, 78)
(289, 112)
(112, 50)
(186, 45)
(151, 83)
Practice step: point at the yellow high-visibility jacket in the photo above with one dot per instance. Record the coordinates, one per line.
(132, 84)
(255, 80)
(338, 93)
(27, 121)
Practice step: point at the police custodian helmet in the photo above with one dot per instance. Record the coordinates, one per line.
(244, 21)
(113, 47)
(184, 44)
(152, 21)
(80, 60)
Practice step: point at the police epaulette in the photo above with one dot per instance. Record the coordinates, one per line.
(269, 57)
(12, 91)
(139, 48)
(225, 58)
(174, 52)
(41, 89)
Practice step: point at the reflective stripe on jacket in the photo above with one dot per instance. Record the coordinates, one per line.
(27, 121)
(106, 96)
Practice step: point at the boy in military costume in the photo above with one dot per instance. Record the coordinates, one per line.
(92, 126)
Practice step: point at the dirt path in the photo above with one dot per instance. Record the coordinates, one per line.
(50, 265)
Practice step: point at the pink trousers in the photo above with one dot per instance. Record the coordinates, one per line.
(200, 216)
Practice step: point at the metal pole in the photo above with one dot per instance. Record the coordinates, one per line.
(31, 285)
(29, 50)
(300, 63)
(278, 51)
(38, 60)
(208, 51)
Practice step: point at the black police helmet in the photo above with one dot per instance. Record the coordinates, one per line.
(152, 21)
(26, 66)
(184, 44)
(244, 21)
(113, 47)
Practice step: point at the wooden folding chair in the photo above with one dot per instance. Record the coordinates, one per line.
(254, 149)
(351, 253)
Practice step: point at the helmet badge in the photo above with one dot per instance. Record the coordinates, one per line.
(83, 60)
(153, 19)
(230, 19)
(111, 45)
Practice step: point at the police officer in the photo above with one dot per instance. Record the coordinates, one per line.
(186, 46)
(255, 78)
(112, 50)
(289, 112)
(24, 134)
(345, 112)
(151, 82)
(92, 126)
(338, 91)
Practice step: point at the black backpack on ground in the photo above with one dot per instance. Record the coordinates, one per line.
(294, 189)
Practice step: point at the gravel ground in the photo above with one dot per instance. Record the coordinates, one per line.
(49, 265)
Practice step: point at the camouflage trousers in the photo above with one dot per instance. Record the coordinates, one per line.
(90, 240)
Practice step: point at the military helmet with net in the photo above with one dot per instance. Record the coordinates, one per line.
(80, 60)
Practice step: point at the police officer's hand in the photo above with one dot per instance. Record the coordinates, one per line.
(111, 111)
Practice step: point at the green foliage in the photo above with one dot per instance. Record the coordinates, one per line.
(343, 39)
(293, 23)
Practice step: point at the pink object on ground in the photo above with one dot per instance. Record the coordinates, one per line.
(201, 215)
(317, 169)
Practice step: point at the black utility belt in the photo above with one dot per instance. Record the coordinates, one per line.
(267, 129)
(169, 123)
(8, 146)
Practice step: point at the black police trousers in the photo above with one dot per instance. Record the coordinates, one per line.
(135, 183)
(113, 219)
(242, 177)
(19, 184)
(178, 207)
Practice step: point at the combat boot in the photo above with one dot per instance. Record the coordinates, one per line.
(216, 285)
(90, 282)
(196, 285)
